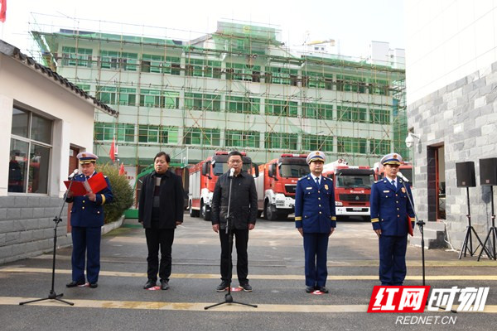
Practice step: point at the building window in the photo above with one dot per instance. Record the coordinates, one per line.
(202, 68)
(242, 138)
(282, 75)
(198, 101)
(197, 136)
(106, 94)
(108, 131)
(281, 108)
(351, 114)
(239, 71)
(351, 84)
(318, 111)
(379, 116)
(127, 96)
(317, 143)
(242, 105)
(286, 141)
(351, 145)
(379, 147)
(30, 149)
(72, 56)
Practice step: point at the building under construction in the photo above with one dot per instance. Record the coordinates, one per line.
(239, 88)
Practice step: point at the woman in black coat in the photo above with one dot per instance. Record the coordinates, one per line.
(160, 210)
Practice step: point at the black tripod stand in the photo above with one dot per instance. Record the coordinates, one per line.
(492, 234)
(468, 239)
(228, 298)
(52, 295)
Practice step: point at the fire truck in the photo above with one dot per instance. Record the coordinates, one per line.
(203, 178)
(276, 185)
(352, 186)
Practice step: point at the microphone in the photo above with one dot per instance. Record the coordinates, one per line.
(232, 172)
(402, 177)
(74, 173)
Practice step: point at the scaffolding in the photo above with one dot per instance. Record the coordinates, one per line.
(239, 88)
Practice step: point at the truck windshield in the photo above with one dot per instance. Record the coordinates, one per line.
(222, 167)
(294, 170)
(407, 173)
(354, 181)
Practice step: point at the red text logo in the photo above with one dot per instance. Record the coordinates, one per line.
(398, 299)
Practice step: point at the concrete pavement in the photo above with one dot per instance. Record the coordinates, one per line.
(275, 271)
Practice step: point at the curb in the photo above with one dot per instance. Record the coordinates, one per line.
(106, 228)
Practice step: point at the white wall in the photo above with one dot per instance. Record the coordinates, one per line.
(34, 91)
(446, 41)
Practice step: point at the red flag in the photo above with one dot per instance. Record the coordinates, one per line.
(121, 170)
(3, 10)
(112, 152)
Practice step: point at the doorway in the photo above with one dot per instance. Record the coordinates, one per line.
(436, 183)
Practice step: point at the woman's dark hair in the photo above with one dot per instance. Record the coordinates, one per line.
(168, 158)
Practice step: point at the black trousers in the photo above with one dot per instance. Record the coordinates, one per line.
(162, 238)
(241, 241)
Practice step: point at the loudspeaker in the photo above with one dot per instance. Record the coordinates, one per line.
(465, 172)
(488, 171)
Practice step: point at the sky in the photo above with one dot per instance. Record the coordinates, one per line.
(351, 23)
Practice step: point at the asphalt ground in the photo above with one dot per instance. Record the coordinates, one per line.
(276, 272)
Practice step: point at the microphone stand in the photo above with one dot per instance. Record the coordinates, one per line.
(420, 224)
(492, 233)
(228, 298)
(52, 295)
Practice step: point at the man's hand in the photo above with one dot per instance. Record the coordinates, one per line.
(301, 231)
(92, 196)
(69, 194)
(215, 227)
(378, 232)
(251, 226)
(331, 231)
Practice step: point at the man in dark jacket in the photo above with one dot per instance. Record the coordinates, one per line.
(243, 214)
(160, 210)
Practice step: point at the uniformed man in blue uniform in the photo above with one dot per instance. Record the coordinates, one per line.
(391, 213)
(315, 219)
(87, 218)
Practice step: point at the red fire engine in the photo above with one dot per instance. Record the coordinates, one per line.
(352, 186)
(203, 178)
(276, 185)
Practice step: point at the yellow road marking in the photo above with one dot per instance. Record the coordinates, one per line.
(199, 306)
(264, 277)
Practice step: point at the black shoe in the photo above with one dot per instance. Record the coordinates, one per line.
(246, 287)
(74, 284)
(309, 289)
(322, 289)
(93, 285)
(223, 286)
(150, 283)
(164, 285)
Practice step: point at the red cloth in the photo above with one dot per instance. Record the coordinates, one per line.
(409, 224)
(121, 170)
(112, 152)
(3, 10)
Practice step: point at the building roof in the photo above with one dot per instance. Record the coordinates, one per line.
(15, 53)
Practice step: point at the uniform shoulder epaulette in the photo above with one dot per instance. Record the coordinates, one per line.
(302, 178)
(377, 181)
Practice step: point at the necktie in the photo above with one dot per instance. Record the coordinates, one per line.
(317, 181)
(394, 183)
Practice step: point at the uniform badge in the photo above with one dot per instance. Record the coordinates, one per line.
(403, 190)
(308, 188)
(386, 191)
(326, 186)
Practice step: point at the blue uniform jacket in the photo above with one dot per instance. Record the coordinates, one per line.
(86, 213)
(315, 206)
(390, 207)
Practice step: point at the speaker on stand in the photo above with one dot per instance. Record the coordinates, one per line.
(465, 172)
(488, 177)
